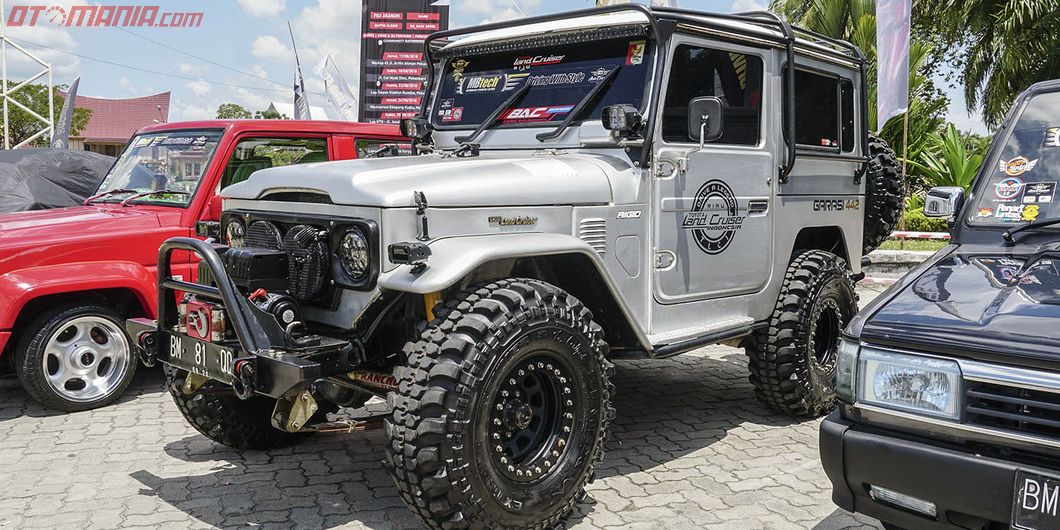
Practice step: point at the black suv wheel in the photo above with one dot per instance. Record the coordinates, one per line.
(502, 410)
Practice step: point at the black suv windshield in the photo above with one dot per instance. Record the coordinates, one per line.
(1020, 185)
(474, 85)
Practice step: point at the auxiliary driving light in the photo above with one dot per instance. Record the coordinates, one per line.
(902, 500)
(622, 118)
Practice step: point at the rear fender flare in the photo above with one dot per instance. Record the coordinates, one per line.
(452, 259)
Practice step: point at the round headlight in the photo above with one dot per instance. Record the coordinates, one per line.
(353, 254)
(235, 234)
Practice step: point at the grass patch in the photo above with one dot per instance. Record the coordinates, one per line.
(913, 244)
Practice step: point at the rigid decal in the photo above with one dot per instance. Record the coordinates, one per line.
(1039, 192)
(629, 214)
(635, 53)
(1008, 188)
(1017, 166)
(714, 218)
(1052, 137)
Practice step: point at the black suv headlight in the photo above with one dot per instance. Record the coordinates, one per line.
(354, 254)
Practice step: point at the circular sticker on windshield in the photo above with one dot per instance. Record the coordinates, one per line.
(1008, 188)
(1017, 166)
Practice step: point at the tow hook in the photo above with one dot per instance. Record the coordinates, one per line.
(148, 348)
(246, 379)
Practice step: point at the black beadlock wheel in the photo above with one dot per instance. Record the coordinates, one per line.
(219, 415)
(502, 409)
(793, 361)
(884, 194)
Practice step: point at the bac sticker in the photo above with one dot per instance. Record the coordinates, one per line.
(536, 113)
(1052, 137)
(1017, 166)
(1009, 214)
(458, 66)
(1030, 212)
(985, 212)
(1039, 192)
(635, 53)
(1008, 188)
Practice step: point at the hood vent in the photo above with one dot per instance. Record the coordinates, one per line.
(594, 232)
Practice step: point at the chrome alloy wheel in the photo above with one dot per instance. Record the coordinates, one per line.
(86, 359)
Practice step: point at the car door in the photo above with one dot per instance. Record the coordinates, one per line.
(713, 221)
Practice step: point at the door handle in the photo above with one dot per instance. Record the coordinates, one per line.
(757, 206)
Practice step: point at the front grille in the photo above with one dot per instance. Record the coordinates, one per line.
(1012, 408)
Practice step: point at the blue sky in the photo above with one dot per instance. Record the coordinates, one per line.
(242, 52)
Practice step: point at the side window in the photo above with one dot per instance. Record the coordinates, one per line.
(735, 78)
(253, 154)
(824, 111)
(366, 147)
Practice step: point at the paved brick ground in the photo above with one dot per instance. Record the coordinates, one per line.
(691, 448)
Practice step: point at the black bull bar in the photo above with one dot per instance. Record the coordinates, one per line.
(267, 361)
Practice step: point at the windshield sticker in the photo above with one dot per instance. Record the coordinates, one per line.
(571, 78)
(158, 140)
(985, 212)
(458, 67)
(1039, 192)
(451, 115)
(1030, 212)
(535, 113)
(527, 61)
(1052, 137)
(200, 140)
(598, 75)
(1008, 189)
(143, 142)
(471, 85)
(513, 81)
(635, 54)
(1017, 166)
(1009, 214)
(178, 140)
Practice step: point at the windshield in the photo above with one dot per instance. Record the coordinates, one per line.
(171, 160)
(560, 75)
(1019, 185)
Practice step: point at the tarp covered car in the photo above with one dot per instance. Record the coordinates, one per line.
(37, 179)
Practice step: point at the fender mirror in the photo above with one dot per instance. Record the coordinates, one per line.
(943, 201)
(706, 116)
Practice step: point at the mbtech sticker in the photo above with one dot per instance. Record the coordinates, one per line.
(1017, 166)
(713, 228)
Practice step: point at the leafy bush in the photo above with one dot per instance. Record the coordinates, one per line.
(916, 221)
(948, 161)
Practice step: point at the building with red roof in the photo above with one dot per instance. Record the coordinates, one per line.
(114, 121)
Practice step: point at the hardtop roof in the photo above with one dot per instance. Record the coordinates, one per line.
(281, 126)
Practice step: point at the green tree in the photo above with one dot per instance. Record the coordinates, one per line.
(1000, 47)
(948, 160)
(22, 125)
(269, 114)
(232, 111)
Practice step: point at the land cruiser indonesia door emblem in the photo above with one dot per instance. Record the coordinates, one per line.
(714, 228)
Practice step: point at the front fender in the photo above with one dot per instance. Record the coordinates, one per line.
(19, 287)
(454, 258)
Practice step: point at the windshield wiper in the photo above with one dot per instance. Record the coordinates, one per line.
(150, 193)
(391, 150)
(579, 108)
(106, 193)
(465, 141)
(1007, 235)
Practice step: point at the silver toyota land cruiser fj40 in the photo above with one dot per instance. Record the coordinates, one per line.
(616, 182)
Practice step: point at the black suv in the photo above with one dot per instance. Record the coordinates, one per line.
(949, 382)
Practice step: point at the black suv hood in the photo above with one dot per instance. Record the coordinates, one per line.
(992, 306)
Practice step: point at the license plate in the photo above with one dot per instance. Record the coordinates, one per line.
(200, 357)
(1036, 501)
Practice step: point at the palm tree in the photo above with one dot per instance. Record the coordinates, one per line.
(1001, 46)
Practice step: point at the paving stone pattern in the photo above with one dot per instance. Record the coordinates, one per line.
(690, 448)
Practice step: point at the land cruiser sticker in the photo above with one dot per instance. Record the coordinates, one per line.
(458, 67)
(1017, 166)
(520, 220)
(714, 218)
(527, 62)
(1039, 192)
(1052, 137)
(1008, 189)
(635, 53)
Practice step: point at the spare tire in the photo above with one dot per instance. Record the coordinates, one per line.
(884, 194)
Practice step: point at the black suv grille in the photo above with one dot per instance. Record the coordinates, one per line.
(1012, 408)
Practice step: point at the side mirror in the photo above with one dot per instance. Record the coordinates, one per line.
(213, 209)
(706, 117)
(943, 201)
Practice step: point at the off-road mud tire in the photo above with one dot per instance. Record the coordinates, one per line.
(884, 194)
(219, 415)
(443, 406)
(788, 373)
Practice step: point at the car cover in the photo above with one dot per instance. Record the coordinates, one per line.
(36, 179)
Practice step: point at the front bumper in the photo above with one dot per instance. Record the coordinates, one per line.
(263, 359)
(968, 490)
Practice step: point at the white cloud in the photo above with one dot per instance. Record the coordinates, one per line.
(748, 5)
(191, 69)
(200, 87)
(64, 66)
(263, 8)
(127, 85)
(181, 110)
(484, 11)
(269, 47)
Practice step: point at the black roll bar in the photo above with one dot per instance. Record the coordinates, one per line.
(253, 338)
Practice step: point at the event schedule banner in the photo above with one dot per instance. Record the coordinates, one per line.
(393, 69)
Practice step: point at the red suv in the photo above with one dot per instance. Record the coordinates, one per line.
(70, 277)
